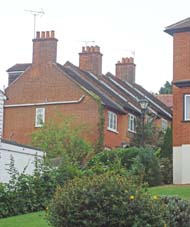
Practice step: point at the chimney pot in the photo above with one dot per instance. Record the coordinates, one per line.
(83, 49)
(131, 60)
(47, 34)
(88, 49)
(43, 35)
(52, 34)
(37, 35)
(97, 49)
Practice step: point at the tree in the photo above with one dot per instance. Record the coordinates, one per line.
(166, 89)
(63, 141)
(153, 136)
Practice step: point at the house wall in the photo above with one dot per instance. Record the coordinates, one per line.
(1, 113)
(23, 157)
(181, 129)
(114, 139)
(43, 84)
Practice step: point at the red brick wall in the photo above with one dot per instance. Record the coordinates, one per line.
(181, 53)
(90, 59)
(40, 84)
(125, 70)
(181, 71)
(181, 129)
(114, 139)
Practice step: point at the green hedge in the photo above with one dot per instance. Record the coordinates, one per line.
(104, 200)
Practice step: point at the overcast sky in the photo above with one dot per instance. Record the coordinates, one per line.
(119, 27)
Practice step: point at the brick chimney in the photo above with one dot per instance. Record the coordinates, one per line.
(90, 59)
(125, 70)
(44, 47)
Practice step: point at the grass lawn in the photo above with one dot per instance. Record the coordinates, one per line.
(182, 191)
(26, 220)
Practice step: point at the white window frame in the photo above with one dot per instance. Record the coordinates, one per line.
(186, 109)
(112, 121)
(164, 124)
(132, 123)
(40, 122)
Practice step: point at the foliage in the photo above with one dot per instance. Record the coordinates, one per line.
(141, 162)
(166, 89)
(104, 200)
(25, 193)
(166, 147)
(153, 136)
(62, 140)
(178, 211)
(166, 168)
(166, 158)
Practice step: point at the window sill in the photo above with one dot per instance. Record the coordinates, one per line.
(185, 121)
(134, 132)
(112, 130)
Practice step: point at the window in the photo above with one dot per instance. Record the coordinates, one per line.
(112, 121)
(131, 123)
(40, 117)
(164, 124)
(187, 107)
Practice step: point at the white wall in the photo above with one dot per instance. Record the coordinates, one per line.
(181, 164)
(23, 157)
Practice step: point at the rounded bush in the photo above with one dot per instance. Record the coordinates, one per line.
(178, 211)
(104, 200)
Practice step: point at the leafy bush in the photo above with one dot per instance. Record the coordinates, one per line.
(25, 193)
(141, 161)
(104, 200)
(63, 140)
(178, 211)
(166, 168)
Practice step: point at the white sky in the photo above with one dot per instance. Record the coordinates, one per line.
(117, 26)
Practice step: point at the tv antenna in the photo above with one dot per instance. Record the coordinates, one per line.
(87, 42)
(129, 52)
(35, 14)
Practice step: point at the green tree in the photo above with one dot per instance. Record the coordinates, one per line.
(166, 89)
(63, 141)
(153, 136)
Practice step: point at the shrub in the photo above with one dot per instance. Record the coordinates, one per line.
(178, 211)
(25, 193)
(166, 168)
(142, 161)
(104, 200)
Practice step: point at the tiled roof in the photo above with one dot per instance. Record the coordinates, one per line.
(181, 26)
(167, 99)
(107, 101)
(19, 67)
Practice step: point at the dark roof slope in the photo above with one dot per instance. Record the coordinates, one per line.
(87, 85)
(181, 26)
(19, 67)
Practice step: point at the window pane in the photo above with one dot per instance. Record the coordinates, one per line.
(112, 121)
(187, 107)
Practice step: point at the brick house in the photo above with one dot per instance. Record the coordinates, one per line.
(37, 91)
(181, 100)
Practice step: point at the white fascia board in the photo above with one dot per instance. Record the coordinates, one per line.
(46, 103)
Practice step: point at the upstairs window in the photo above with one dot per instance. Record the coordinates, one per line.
(40, 117)
(187, 107)
(131, 123)
(164, 124)
(112, 121)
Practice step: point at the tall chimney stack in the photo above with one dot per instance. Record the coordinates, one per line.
(90, 59)
(125, 70)
(44, 47)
